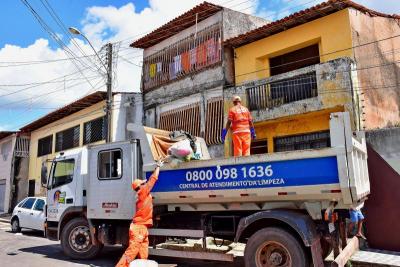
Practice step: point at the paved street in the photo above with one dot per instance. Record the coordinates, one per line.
(31, 249)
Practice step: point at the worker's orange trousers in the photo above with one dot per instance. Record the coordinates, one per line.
(138, 245)
(241, 144)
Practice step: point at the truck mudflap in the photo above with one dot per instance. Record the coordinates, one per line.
(300, 222)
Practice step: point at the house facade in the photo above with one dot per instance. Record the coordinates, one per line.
(294, 72)
(78, 124)
(14, 184)
(186, 67)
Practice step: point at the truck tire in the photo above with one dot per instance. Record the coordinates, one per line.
(76, 242)
(274, 246)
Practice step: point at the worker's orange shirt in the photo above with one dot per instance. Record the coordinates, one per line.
(144, 203)
(240, 118)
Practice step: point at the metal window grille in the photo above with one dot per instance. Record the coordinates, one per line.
(273, 94)
(67, 139)
(22, 147)
(184, 57)
(45, 146)
(186, 118)
(304, 141)
(95, 130)
(214, 121)
(259, 147)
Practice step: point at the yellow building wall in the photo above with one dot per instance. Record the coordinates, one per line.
(78, 118)
(294, 125)
(332, 33)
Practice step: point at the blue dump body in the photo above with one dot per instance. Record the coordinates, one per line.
(285, 173)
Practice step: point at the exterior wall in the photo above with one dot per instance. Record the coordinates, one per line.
(378, 67)
(386, 142)
(78, 118)
(331, 33)
(236, 23)
(6, 164)
(127, 107)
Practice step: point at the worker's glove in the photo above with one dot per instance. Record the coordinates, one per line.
(160, 163)
(223, 135)
(253, 133)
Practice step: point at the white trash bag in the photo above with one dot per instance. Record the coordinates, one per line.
(143, 263)
(181, 149)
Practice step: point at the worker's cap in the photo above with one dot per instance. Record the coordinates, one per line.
(236, 98)
(137, 183)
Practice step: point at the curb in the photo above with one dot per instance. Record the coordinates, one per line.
(5, 220)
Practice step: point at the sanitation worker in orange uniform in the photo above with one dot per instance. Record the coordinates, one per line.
(241, 125)
(143, 219)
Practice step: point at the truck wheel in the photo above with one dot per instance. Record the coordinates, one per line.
(326, 248)
(76, 242)
(273, 246)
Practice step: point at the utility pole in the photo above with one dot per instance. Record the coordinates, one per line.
(109, 101)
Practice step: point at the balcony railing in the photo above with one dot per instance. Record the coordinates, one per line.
(271, 94)
(187, 56)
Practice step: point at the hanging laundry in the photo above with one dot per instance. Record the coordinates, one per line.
(201, 54)
(172, 73)
(178, 64)
(211, 51)
(185, 58)
(152, 70)
(193, 57)
(159, 67)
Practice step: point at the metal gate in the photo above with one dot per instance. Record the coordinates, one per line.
(2, 194)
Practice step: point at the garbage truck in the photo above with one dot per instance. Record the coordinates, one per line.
(274, 209)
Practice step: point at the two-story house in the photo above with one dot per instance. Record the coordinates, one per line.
(294, 72)
(185, 68)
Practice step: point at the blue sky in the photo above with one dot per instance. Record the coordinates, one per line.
(22, 39)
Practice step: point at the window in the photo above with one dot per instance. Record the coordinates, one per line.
(110, 164)
(298, 59)
(39, 205)
(304, 141)
(63, 172)
(214, 121)
(95, 130)
(28, 203)
(22, 203)
(45, 146)
(67, 139)
(259, 147)
(186, 118)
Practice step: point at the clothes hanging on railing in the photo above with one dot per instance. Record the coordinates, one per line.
(178, 64)
(211, 51)
(185, 58)
(159, 67)
(193, 57)
(172, 73)
(201, 54)
(152, 70)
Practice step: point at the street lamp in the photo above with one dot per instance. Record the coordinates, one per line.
(108, 69)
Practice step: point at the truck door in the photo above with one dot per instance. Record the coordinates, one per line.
(112, 167)
(61, 187)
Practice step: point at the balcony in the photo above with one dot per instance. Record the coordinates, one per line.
(185, 57)
(276, 93)
(312, 88)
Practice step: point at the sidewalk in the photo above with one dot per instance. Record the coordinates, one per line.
(5, 217)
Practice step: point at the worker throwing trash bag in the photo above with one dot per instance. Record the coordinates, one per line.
(241, 124)
(142, 220)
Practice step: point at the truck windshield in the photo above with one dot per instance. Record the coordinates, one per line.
(63, 172)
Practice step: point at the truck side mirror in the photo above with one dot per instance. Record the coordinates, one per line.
(43, 175)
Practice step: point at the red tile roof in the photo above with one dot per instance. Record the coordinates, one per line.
(4, 134)
(65, 111)
(301, 17)
(184, 21)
